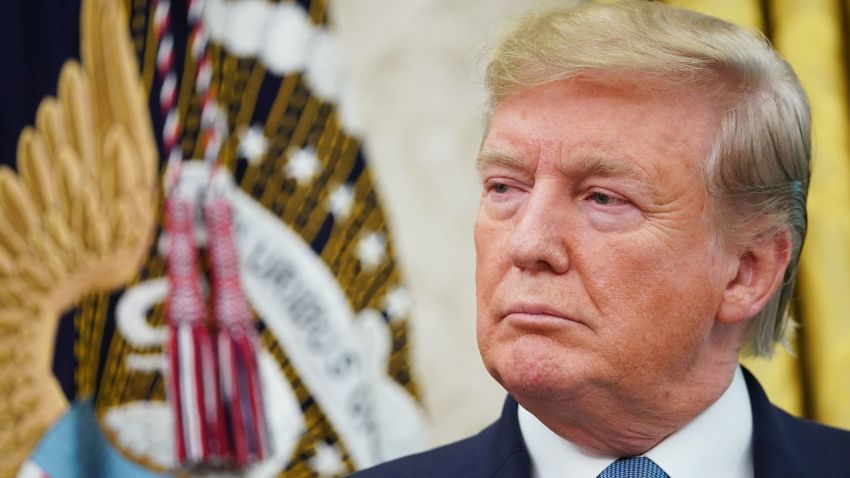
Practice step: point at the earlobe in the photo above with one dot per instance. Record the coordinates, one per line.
(760, 273)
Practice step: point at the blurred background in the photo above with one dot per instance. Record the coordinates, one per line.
(397, 92)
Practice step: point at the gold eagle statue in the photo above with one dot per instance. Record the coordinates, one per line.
(76, 218)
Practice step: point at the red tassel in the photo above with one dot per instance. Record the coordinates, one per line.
(193, 386)
(237, 338)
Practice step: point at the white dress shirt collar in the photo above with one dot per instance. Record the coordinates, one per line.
(718, 442)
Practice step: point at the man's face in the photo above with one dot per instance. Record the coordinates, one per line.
(597, 266)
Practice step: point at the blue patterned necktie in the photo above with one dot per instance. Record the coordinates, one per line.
(633, 467)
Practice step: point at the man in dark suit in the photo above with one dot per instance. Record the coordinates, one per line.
(644, 179)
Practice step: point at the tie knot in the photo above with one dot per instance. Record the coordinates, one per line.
(633, 467)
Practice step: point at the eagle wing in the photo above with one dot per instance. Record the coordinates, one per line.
(76, 218)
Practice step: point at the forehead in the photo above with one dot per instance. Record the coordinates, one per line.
(622, 126)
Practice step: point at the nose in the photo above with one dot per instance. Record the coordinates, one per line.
(539, 240)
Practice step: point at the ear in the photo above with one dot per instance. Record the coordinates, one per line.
(760, 273)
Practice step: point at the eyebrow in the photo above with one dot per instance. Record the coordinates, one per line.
(592, 166)
(598, 166)
(497, 158)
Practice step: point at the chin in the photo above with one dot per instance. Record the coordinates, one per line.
(537, 368)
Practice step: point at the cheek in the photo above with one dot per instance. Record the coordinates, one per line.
(491, 267)
(637, 276)
(485, 276)
(663, 300)
(490, 257)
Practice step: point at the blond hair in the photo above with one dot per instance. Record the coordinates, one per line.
(758, 170)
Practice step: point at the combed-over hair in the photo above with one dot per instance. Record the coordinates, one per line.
(758, 170)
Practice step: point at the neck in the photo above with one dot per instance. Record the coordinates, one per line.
(620, 424)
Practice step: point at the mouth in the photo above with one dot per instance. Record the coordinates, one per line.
(536, 316)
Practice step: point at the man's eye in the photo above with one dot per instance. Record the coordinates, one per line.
(601, 198)
(605, 199)
(502, 191)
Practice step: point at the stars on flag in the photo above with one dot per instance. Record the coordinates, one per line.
(253, 144)
(303, 165)
(371, 250)
(327, 460)
(340, 201)
(398, 303)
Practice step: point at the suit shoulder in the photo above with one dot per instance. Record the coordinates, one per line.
(497, 451)
(813, 430)
(454, 459)
(817, 443)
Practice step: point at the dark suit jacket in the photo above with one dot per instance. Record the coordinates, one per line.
(783, 447)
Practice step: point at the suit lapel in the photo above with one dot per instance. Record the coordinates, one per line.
(507, 456)
(773, 451)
